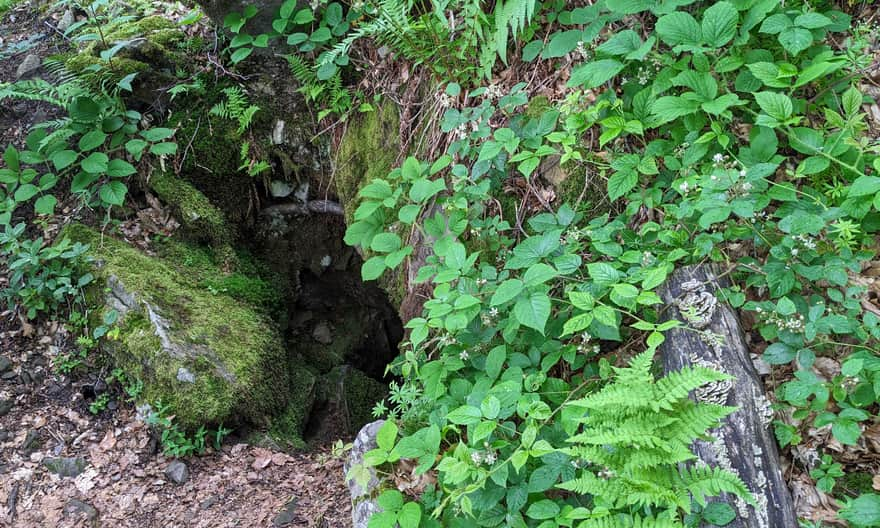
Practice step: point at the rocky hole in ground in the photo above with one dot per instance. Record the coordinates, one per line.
(346, 330)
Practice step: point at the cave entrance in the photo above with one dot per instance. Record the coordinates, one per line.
(343, 329)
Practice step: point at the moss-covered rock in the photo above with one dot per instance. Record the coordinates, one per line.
(200, 219)
(288, 427)
(344, 402)
(367, 151)
(211, 358)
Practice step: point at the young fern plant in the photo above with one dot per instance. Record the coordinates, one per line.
(633, 441)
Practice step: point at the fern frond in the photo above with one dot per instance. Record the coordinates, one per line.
(630, 521)
(704, 481)
(677, 385)
(512, 14)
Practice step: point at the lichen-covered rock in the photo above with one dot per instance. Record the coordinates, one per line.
(364, 506)
(231, 353)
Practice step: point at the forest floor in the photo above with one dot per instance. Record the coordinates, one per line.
(117, 476)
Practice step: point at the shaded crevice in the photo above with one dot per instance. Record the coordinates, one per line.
(344, 330)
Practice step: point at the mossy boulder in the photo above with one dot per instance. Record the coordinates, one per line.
(211, 358)
(200, 219)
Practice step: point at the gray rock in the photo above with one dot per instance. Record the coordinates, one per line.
(177, 472)
(285, 517)
(66, 21)
(363, 505)
(5, 364)
(9, 375)
(29, 65)
(65, 466)
(6, 406)
(75, 506)
(184, 375)
(280, 189)
(322, 333)
(278, 132)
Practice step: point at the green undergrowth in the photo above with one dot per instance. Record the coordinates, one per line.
(731, 132)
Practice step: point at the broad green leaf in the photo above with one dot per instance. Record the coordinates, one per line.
(812, 20)
(63, 159)
(776, 105)
(543, 509)
(863, 511)
(719, 513)
(113, 193)
(671, 107)
(386, 242)
(533, 310)
(506, 291)
(621, 182)
(595, 73)
(864, 186)
(26, 192)
(465, 415)
(95, 163)
(91, 140)
(621, 43)
(387, 435)
(539, 274)
(410, 515)
(84, 109)
(795, 39)
(45, 204)
(372, 269)
(118, 168)
(562, 43)
(603, 273)
(679, 28)
(719, 24)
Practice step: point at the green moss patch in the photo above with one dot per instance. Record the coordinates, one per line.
(195, 212)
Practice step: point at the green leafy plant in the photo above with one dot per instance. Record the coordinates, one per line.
(41, 276)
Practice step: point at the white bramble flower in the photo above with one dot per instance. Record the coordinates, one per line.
(464, 355)
(476, 458)
(718, 157)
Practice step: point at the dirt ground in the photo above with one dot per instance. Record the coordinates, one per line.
(120, 480)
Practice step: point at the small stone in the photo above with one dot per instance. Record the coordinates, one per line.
(185, 375)
(302, 192)
(285, 517)
(65, 466)
(6, 406)
(177, 472)
(29, 65)
(210, 501)
(322, 333)
(75, 506)
(66, 21)
(278, 132)
(280, 189)
(5, 364)
(9, 375)
(31, 441)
